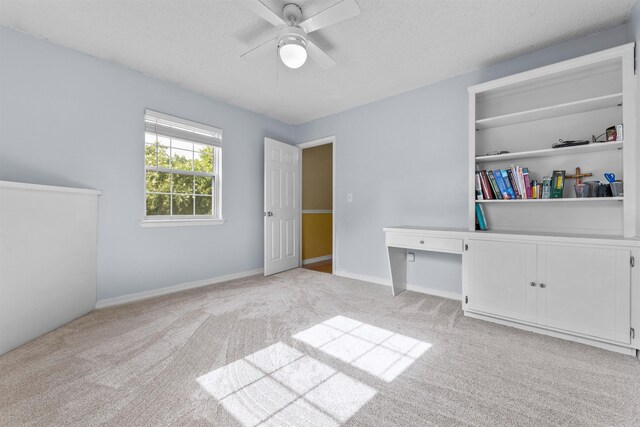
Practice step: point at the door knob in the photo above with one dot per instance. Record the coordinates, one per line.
(534, 284)
(269, 213)
(542, 285)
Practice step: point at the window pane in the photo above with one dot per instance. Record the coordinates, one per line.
(150, 158)
(158, 182)
(203, 205)
(182, 205)
(149, 138)
(158, 204)
(203, 158)
(181, 159)
(204, 185)
(163, 157)
(182, 183)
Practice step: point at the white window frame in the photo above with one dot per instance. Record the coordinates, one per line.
(202, 135)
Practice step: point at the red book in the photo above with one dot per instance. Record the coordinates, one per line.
(486, 186)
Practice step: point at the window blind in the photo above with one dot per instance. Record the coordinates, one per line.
(173, 127)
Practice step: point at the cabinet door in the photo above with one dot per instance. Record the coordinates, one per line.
(586, 290)
(499, 277)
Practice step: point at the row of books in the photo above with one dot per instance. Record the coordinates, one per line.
(515, 183)
(512, 183)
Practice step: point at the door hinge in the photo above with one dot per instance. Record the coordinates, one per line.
(632, 261)
(466, 299)
(632, 333)
(466, 247)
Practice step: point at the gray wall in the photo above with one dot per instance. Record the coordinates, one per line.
(72, 120)
(404, 159)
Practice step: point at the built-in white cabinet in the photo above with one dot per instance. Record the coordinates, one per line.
(576, 289)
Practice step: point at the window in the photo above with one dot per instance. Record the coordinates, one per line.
(182, 171)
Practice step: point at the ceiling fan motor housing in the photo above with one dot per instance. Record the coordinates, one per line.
(292, 35)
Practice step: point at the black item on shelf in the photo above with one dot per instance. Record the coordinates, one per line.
(562, 143)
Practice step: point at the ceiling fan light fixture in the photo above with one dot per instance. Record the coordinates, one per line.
(292, 47)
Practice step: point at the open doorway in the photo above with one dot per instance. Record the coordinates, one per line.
(317, 222)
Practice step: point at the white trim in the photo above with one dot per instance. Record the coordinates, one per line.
(40, 187)
(317, 211)
(414, 288)
(322, 141)
(316, 142)
(317, 259)
(189, 123)
(180, 222)
(138, 296)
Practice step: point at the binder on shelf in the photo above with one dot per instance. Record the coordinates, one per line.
(557, 184)
(482, 221)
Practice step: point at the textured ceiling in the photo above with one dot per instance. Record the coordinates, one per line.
(391, 47)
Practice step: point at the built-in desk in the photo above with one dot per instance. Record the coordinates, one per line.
(399, 239)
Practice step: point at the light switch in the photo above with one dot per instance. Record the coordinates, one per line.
(411, 257)
(349, 197)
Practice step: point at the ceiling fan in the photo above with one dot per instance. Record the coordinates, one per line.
(291, 41)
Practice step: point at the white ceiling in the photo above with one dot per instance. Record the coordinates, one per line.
(393, 46)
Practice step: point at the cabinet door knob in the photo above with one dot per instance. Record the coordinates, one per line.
(534, 284)
(422, 242)
(542, 285)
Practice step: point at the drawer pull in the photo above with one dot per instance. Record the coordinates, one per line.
(422, 242)
(534, 284)
(542, 285)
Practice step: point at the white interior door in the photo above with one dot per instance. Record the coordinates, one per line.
(282, 206)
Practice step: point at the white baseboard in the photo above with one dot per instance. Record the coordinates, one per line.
(318, 259)
(124, 299)
(410, 287)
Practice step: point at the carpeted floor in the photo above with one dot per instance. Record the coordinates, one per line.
(305, 348)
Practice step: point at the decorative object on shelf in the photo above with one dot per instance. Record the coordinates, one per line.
(614, 133)
(582, 190)
(616, 189)
(563, 144)
(604, 190)
(497, 153)
(546, 187)
(557, 184)
(593, 188)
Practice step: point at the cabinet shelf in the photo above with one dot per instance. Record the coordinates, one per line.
(562, 200)
(584, 105)
(550, 152)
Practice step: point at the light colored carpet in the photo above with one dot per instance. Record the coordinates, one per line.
(306, 348)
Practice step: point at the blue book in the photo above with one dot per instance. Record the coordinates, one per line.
(507, 183)
(481, 219)
(501, 185)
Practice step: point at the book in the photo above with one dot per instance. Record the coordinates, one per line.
(478, 186)
(486, 186)
(557, 184)
(480, 216)
(494, 185)
(514, 184)
(546, 188)
(522, 187)
(527, 183)
(504, 179)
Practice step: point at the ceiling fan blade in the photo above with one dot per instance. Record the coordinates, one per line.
(345, 9)
(269, 45)
(260, 9)
(318, 55)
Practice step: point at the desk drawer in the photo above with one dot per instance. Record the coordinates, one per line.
(411, 241)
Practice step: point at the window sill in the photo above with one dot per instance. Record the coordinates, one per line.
(187, 222)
